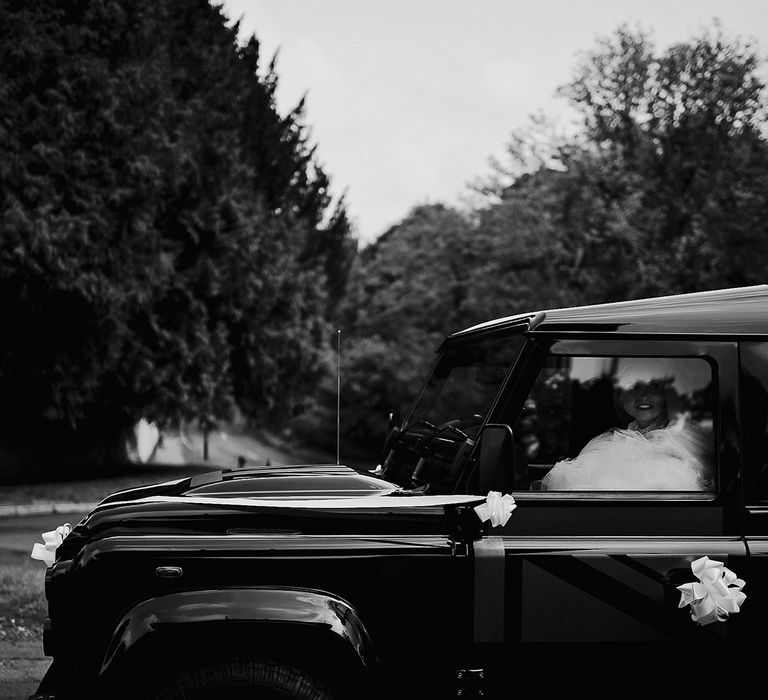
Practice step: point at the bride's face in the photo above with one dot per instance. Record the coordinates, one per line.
(644, 402)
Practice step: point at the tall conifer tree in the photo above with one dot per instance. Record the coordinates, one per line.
(168, 238)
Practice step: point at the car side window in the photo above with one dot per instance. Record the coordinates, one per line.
(619, 424)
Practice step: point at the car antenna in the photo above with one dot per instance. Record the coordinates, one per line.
(338, 392)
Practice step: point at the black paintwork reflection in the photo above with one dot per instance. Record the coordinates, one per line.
(287, 606)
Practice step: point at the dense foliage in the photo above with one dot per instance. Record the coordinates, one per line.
(663, 189)
(170, 249)
(169, 246)
(405, 293)
(665, 186)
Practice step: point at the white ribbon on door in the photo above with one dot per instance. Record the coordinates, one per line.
(497, 508)
(717, 594)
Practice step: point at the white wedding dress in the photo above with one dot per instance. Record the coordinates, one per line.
(667, 459)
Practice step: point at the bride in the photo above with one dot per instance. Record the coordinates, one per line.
(655, 452)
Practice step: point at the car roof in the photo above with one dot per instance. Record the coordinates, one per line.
(739, 311)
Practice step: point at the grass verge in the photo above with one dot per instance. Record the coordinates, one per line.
(22, 601)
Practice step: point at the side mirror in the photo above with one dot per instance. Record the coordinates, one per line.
(495, 461)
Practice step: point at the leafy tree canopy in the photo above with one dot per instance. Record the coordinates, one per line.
(169, 244)
(663, 189)
(405, 292)
(665, 184)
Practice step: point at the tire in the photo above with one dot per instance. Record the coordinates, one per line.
(238, 678)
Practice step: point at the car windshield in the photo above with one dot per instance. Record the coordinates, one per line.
(464, 382)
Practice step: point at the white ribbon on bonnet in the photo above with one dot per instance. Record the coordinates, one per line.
(497, 508)
(716, 596)
(46, 552)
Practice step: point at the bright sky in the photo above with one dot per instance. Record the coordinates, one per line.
(408, 99)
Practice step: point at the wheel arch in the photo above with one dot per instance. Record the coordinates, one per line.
(297, 624)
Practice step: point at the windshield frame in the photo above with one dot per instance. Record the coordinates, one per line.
(431, 458)
(507, 334)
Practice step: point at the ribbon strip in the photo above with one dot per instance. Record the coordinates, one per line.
(716, 596)
(393, 499)
(46, 552)
(497, 508)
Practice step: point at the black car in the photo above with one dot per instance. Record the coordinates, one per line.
(633, 439)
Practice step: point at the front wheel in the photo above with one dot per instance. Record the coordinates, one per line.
(239, 678)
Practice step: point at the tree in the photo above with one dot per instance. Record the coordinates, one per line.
(406, 291)
(662, 191)
(684, 129)
(167, 236)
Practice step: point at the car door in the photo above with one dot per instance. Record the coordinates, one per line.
(592, 572)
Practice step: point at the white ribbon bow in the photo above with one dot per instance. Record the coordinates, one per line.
(46, 552)
(718, 594)
(497, 508)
